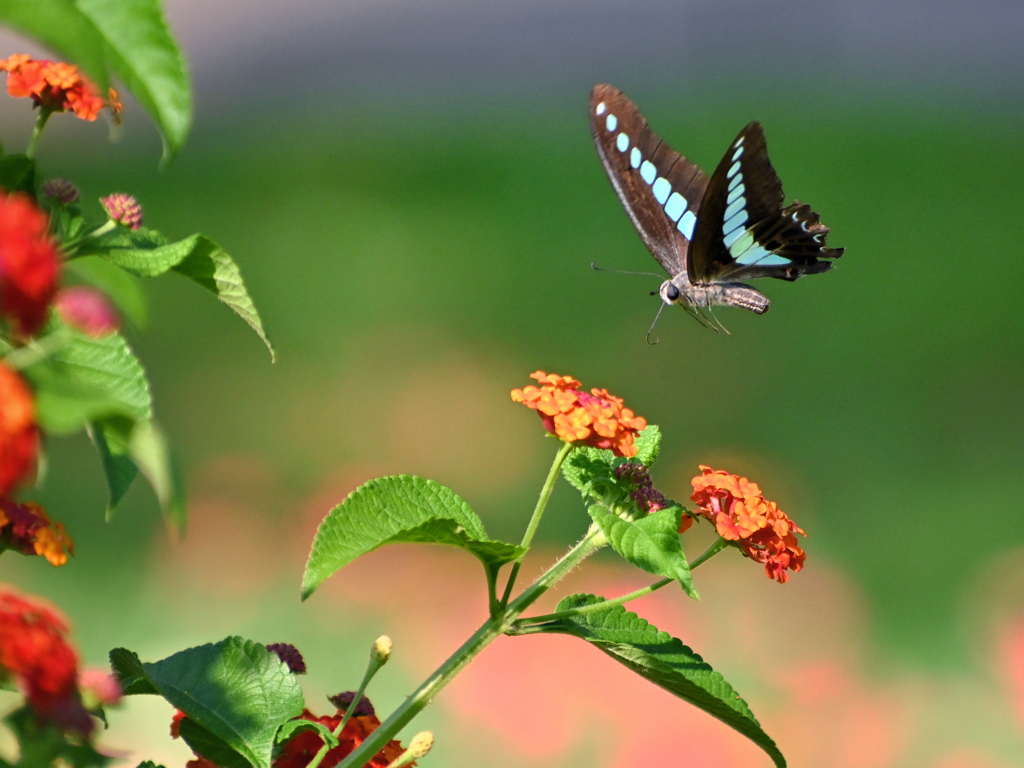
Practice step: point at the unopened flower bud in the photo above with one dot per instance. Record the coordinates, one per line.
(421, 744)
(60, 191)
(124, 209)
(381, 650)
(87, 310)
(290, 655)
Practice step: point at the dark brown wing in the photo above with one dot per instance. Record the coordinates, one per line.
(743, 231)
(659, 188)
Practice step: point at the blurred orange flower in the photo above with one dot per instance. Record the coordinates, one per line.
(35, 651)
(740, 513)
(55, 86)
(26, 528)
(19, 436)
(29, 263)
(596, 419)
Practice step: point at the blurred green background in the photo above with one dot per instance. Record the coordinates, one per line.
(416, 252)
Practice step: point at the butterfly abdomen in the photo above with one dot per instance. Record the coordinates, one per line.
(721, 294)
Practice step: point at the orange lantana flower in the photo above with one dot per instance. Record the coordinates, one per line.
(56, 86)
(19, 436)
(596, 419)
(740, 513)
(26, 528)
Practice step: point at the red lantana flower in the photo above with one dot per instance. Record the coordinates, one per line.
(29, 263)
(26, 528)
(19, 436)
(596, 419)
(740, 513)
(56, 86)
(34, 650)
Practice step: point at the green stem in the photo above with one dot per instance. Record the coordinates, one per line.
(37, 351)
(604, 605)
(538, 512)
(371, 670)
(710, 552)
(490, 630)
(44, 115)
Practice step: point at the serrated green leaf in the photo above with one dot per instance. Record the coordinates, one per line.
(18, 174)
(210, 746)
(130, 672)
(142, 52)
(60, 25)
(586, 467)
(86, 379)
(293, 727)
(648, 445)
(148, 764)
(665, 661)
(119, 285)
(147, 253)
(235, 689)
(398, 508)
(650, 542)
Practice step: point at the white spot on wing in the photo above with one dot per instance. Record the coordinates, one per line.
(622, 142)
(686, 225)
(634, 157)
(600, 108)
(611, 122)
(661, 189)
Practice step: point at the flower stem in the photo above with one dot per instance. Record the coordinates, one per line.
(44, 115)
(538, 512)
(710, 552)
(38, 350)
(371, 669)
(486, 634)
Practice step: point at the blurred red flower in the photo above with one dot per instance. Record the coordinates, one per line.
(55, 86)
(596, 419)
(19, 436)
(29, 263)
(35, 651)
(299, 751)
(88, 310)
(26, 528)
(740, 513)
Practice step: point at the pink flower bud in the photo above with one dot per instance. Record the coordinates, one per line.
(98, 688)
(87, 310)
(124, 209)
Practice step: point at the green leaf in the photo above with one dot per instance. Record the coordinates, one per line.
(149, 450)
(147, 253)
(112, 438)
(398, 508)
(18, 174)
(663, 660)
(60, 25)
(290, 729)
(210, 746)
(86, 379)
(41, 745)
(650, 542)
(148, 764)
(130, 672)
(141, 50)
(235, 689)
(589, 469)
(648, 445)
(120, 286)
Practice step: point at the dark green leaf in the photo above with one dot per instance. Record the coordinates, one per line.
(663, 660)
(142, 52)
(588, 470)
(148, 764)
(130, 672)
(18, 174)
(293, 727)
(42, 745)
(235, 689)
(650, 542)
(399, 508)
(60, 25)
(147, 253)
(210, 746)
(112, 437)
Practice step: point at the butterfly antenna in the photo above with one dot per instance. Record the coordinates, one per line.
(596, 268)
(651, 329)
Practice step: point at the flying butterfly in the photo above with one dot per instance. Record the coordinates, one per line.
(708, 234)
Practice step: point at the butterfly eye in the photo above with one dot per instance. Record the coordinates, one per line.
(672, 292)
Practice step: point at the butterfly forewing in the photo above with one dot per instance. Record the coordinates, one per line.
(743, 231)
(659, 188)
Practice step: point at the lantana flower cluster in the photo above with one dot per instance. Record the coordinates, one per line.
(56, 86)
(301, 749)
(27, 529)
(741, 514)
(36, 655)
(597, 419)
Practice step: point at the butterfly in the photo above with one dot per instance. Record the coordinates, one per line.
(708, 234)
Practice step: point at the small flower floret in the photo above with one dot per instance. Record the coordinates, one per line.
(27, 529)
(56, 86)
(597, 419)
(290, 655)
(741, 514)
(60, 191)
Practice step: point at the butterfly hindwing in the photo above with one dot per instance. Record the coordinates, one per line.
(742, 229)
(659, 188)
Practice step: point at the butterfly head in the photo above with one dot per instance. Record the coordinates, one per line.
(669, 292)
